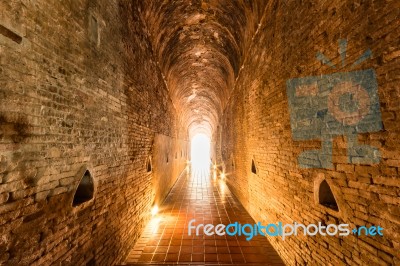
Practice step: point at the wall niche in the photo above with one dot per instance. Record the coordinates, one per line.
(85, 190)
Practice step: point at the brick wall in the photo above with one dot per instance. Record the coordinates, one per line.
(79, 90)
(256, 126)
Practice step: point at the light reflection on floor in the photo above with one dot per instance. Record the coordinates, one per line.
(200, 194)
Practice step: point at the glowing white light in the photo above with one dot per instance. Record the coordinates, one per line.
(155, 224)
(214, 175)
(154, 210)
(200, 151)
(222, 175)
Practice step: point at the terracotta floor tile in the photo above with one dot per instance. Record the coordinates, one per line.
(187, 243)
(250, 250)
(149, 249)
(185, 257)
(164, 242)
(237, 258)
(222, 250)
(209, 242)
(221, 243)
(145, 257)
(197, 257)
(162, 249)
(224, 258)
(172, 257)
(210, 249)
(233, 243)
(254, 258)
(244, 243)
(176, 242)
(198, 249)
(187, 249)
(174, 249)
(187, 237)
(176, 237)
(235, 249)
(198, 242)
(197, 195)
(211, 257)
(153, 242)
(158, 257)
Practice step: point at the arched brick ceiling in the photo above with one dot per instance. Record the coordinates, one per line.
(200, 46)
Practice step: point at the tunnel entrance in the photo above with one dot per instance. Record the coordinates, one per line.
(200, 151)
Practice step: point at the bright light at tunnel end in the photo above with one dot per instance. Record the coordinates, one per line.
(200, 151)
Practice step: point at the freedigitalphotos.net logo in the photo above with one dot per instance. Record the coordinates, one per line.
(280, 229)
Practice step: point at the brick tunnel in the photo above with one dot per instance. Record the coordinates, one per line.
(199, 132)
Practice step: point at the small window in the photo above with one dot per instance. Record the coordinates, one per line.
(326, 197)
(85, 189)
(253, 167)
(167, 159)
(149, 166)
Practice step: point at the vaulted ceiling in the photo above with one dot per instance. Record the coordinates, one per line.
(200, 47)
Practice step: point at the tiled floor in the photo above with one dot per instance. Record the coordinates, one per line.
(202, 196)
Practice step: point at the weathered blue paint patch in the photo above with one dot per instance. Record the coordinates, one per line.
(326, 106)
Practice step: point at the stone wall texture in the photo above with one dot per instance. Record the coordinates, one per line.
(256, 126)
(117, 87)
(79, 88)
